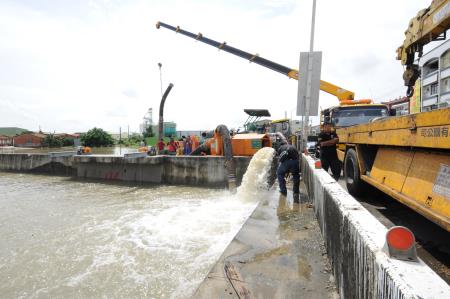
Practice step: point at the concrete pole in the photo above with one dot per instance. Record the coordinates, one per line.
(307, 102)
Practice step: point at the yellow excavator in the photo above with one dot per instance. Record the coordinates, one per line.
(349, 112)
(430, 24)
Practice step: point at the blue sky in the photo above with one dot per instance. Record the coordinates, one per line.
(73, 65)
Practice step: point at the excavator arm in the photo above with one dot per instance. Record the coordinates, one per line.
(428, 25)
(341, 93)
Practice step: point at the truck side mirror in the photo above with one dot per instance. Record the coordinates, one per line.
(393, 112)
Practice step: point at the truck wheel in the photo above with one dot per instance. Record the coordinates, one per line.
(355, 185)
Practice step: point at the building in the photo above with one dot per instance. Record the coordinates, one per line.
(29, 140)
(401, 105)
(146, 121)
(75, 137)
(435, 78)
(169, 129)
(6, 140)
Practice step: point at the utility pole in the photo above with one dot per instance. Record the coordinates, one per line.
(307, 102)
(120, 140)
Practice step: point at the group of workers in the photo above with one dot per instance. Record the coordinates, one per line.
(183, 146)
(289, 160)
(287, 153)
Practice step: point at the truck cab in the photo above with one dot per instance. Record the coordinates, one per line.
(349, 115)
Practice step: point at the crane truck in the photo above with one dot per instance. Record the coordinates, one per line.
(430, 24)
(406, 157)
(349, 111)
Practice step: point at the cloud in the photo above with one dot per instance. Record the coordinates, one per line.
(96, 61)
(129, 92)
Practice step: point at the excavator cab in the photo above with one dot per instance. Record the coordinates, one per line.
(254, 122)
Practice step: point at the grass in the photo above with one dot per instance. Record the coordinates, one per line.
(11, 131)
(152, 141)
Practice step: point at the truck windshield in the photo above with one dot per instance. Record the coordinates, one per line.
(349, 116)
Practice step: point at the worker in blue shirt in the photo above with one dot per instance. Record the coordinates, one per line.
(288, 158)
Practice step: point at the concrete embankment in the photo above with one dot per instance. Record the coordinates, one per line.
(355, 239)
(54, 163)
(178, 170)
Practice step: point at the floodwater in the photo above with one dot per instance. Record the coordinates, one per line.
(111, 150)
(64, 238)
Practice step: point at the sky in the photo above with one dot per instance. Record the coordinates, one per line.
(68, 66)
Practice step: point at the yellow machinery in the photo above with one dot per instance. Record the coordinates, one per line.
(341, 93)
(428, 25)
(407, 157)
(345, 97)
(249, 144)
(223, 144)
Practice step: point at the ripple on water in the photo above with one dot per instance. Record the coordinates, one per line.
(65, 238)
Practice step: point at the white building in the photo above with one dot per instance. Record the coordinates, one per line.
(147, 120)
(435, 78)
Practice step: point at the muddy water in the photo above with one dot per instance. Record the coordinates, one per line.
(62, 238)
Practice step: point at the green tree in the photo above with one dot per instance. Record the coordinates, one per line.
(96, 137)
(135, 138)
(52, 141)
(148, 132)
(67, 141)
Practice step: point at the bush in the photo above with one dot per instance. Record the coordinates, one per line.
(67, 142)
(96, 137)
(148, 132)
(135, 139)
(51, 141)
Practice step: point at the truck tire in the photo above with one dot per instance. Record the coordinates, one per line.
(355, 185)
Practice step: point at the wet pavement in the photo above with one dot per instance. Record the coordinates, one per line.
(278, 253)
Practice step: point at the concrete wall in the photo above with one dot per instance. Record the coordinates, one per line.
(354, 240)
(45, 163)
(177, 170)
(207, 171)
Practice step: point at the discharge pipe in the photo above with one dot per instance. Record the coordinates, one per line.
(161, 111)
(224, 133)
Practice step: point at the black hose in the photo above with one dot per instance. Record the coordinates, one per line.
(226, 139)
(161, 111)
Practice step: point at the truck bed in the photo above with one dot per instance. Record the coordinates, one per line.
(425, 129)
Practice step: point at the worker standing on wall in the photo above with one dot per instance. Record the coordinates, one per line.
(328, 155)
(161, 145)
(288, 156)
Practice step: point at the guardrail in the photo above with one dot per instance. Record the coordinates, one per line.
(354, 239)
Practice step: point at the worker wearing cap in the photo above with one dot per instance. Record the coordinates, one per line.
(328, 155)
(288, 158)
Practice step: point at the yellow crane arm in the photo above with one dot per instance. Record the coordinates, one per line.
(428, 25)
(341, 93)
